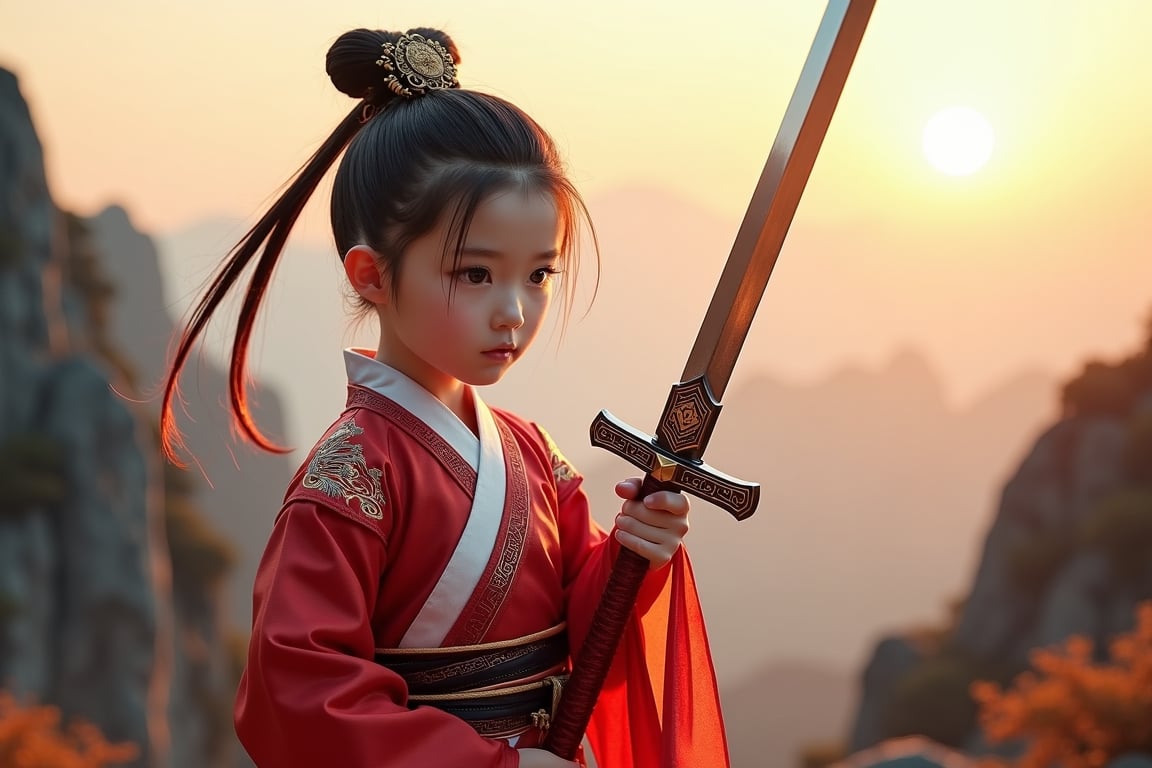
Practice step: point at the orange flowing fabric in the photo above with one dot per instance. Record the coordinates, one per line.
(660, 707)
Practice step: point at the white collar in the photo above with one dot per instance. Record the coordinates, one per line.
(365, 371)
(473, 550)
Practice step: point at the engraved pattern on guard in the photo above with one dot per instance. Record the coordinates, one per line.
(337, 469)
(561, 468)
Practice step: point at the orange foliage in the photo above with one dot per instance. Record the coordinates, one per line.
(31, 738)
(1074, 712)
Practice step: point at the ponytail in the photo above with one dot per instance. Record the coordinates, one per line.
(263, 244)
(370, 65)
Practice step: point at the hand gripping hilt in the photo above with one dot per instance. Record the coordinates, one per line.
(672, 472)
(672, 457)
(670, 462)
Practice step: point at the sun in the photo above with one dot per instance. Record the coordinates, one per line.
(958, 141)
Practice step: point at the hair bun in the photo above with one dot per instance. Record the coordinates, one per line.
(361, 63)
(351, 62)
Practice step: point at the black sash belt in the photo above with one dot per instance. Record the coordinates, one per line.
(501, 689)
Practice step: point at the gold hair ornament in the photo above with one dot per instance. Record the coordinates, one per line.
(416, 65)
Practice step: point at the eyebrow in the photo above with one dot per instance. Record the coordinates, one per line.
(490, 253)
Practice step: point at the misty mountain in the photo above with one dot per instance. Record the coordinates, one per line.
(783, 707)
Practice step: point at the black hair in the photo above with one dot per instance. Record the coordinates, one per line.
(409, 161)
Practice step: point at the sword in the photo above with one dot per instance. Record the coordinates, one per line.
(672, 459)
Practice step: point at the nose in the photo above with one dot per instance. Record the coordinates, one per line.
(508, 311)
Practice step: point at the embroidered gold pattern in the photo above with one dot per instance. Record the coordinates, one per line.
(337, 468)
(471, 666)
(561, 468)
(461, 472)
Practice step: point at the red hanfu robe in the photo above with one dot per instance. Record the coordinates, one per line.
(404, 529)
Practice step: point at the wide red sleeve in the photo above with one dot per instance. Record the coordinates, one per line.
(311, 694)
(659, 707)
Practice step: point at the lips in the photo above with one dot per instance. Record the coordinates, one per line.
(505, 353)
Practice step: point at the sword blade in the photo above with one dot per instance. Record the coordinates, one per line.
(672, 459)
(777, 195)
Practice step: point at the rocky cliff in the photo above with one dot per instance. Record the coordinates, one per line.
(1068, 553)
(78, 508)
(112, 576)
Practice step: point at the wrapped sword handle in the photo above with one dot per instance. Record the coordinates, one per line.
(583, 687)
(664, 470)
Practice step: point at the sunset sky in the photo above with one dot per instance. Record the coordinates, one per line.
(192, 112)
(186, 111)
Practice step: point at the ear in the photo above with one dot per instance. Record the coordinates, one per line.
(363, 274)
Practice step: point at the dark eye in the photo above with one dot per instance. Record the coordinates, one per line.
(543, 275)
(473, 275)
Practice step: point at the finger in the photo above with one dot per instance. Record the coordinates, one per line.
(656, 553)
(651, 524)
(630, 488)
(654, 543)
(669, 501)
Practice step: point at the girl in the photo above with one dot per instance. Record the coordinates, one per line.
(434, 567)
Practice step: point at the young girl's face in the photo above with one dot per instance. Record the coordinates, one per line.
(470, 322)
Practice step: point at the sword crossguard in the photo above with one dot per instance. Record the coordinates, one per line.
(670, 459)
